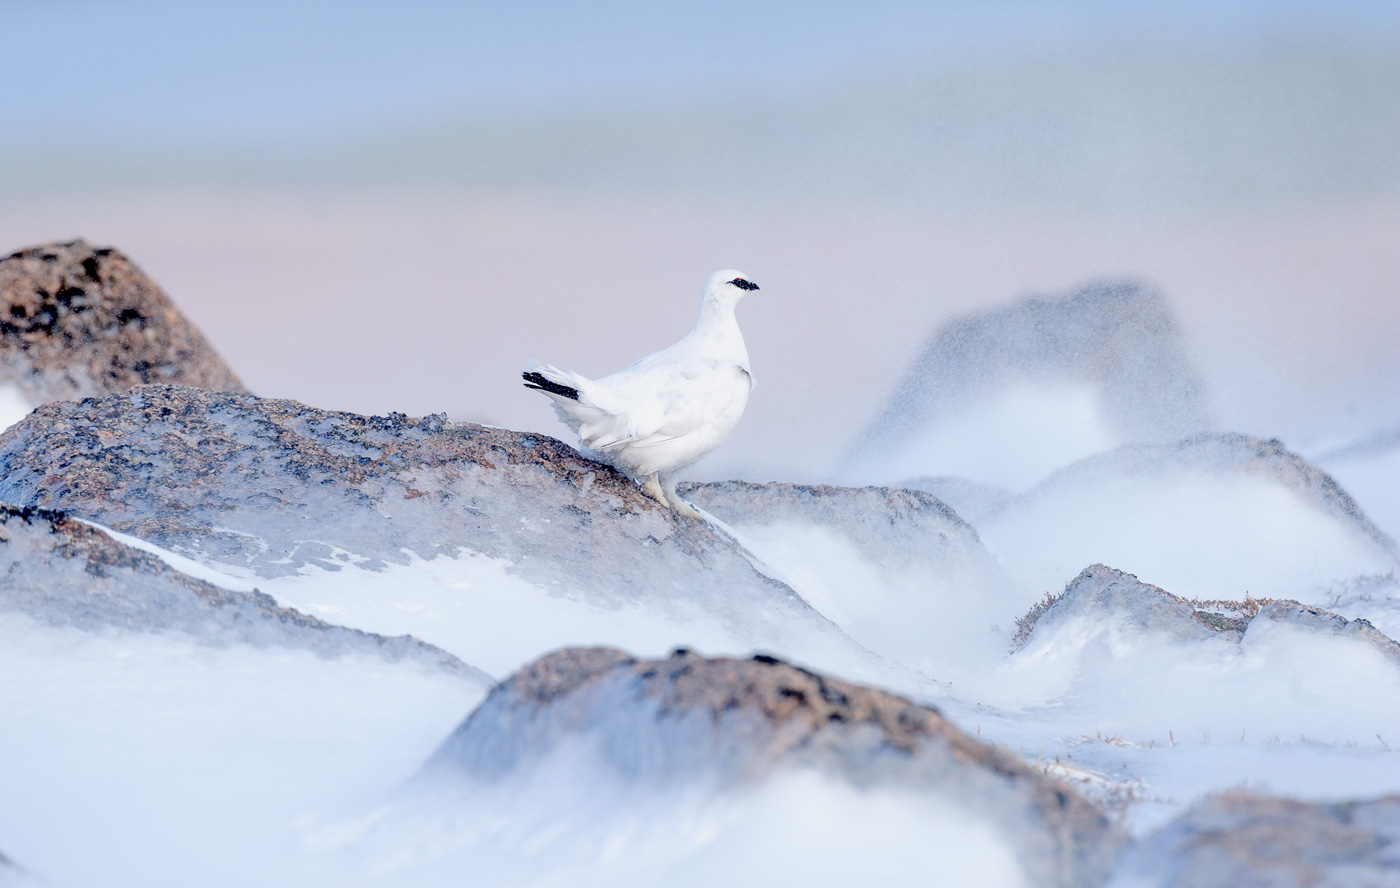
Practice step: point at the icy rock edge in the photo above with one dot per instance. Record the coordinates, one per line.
(273, 488)
(66, 573)
(731, 721)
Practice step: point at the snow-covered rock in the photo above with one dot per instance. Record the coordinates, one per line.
(1370, 471)
(79, 321)
(1243, 840)
(723, 723)
(347, 516)
(1115, 602)
(1214, 516)
(66, 573)
(1074, 374)
(898, 570)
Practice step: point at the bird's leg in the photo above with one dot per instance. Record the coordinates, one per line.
(652, 488)
(678, 505)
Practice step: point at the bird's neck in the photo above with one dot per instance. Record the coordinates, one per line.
(717, 330)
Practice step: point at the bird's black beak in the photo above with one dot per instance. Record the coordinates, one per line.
(743, 284)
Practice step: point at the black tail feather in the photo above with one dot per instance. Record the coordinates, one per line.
(536, 380)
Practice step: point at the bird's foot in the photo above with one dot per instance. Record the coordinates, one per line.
(652, 488)
(678, 505)
(685, 509)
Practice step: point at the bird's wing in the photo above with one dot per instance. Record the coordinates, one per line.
(670, 402)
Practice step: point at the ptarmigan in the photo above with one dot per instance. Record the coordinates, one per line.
(669, 409)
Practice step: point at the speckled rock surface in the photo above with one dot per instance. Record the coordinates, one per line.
(1112, 598)
(273, 486)
(66, 573)
(886, 523)
(1119, 336)
(1240, 840)
(80, 321)
(1219, 455)
(689, 717)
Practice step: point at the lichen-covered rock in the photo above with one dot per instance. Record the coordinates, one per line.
(79, 321)
(1242, 840)
(277, 488)
(730, 721)
(1119, 337)
(66, 573)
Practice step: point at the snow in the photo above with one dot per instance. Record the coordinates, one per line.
(571, 822)
(941, 619)
(141, 759)
(473, 606)
(1192, 534)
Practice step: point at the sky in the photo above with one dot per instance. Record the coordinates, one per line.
(381, 207)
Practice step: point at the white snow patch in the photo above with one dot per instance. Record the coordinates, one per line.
(1192, 534)
(571, 821)
(474, 607)
(139, 759)
(944, 620)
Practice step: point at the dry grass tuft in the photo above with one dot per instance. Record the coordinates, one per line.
(1247, 609)
(1025, 624)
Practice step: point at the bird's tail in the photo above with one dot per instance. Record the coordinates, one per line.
(550, 380)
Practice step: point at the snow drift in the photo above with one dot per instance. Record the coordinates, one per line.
(724, 723)
(1075, 374)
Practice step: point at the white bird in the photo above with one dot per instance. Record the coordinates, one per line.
(669, 409)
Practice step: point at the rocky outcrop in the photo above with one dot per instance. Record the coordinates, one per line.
(66, 573)
(80, 321)
(731, 721)
(1104, 597)
(1241, 840)
(1118, 336)
(887, 524)
(1218, 455)
(276, 487)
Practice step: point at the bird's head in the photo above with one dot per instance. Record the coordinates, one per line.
(728, 285)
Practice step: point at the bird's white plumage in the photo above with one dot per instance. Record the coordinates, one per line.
(669, 409)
